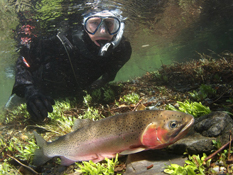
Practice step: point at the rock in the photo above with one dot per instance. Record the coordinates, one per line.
(216, 124)
(212, 124)
(151, 162)
(193, 143)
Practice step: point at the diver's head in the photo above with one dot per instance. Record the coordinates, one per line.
(101, 26)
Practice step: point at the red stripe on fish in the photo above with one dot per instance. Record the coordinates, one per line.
(152, 136)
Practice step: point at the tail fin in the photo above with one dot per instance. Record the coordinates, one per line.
(39, 157)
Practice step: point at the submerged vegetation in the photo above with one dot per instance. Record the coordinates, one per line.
(98, 168)
(193, 166)
(203, 92)
(204, 165)
(191, 92)
(194, 108)
(132, 98)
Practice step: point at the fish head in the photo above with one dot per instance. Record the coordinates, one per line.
(168, 127)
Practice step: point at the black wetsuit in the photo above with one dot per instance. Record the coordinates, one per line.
(48, 67)
(51, 70)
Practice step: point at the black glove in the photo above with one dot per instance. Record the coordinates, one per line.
(38, 105)
(98, 84)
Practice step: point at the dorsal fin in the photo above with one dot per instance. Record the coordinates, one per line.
(79, 123)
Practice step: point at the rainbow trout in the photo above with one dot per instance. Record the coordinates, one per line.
(126, 133)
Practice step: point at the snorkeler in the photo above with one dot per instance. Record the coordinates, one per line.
(70, 62)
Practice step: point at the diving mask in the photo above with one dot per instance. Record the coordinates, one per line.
(111, 23)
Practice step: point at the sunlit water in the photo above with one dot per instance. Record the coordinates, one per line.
(160, 31)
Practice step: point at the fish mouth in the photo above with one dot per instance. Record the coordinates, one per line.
(182, 130)
(188, 124)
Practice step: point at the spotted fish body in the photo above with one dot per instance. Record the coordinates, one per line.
(123, 133)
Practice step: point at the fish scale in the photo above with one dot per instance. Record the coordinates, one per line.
(123, 133)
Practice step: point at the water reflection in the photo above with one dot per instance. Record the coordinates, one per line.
(160, 31)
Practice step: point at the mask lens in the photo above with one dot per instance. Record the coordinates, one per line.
(112, 24)
(92, 24)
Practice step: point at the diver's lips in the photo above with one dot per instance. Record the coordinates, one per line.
(102, 38)
(96, 41)
(101, 42)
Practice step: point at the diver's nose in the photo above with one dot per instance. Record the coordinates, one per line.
(103, 29)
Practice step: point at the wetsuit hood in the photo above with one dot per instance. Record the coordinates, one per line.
(83, 42)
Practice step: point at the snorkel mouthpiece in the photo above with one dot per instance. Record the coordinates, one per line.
(106, 49)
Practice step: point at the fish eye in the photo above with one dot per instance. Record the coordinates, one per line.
(173, 124)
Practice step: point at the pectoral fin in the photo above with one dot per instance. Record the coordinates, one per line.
(132, 151)
(65, 161)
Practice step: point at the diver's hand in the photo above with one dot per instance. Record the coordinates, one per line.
(97, 84)
(38, 105)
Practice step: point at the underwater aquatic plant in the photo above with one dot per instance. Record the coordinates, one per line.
(6, 168)
(19, 111)
(204, 92)
(98, 168)
(21, 149)
(194, 108)
(87, 99)
(132, 98)
(91, 113)
(195, 165)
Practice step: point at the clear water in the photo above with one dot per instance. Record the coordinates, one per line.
(160, 31)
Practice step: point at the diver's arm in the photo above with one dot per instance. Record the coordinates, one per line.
(102, 81)
(121, 55)
(28, 62)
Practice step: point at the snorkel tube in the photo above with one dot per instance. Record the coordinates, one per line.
(106, 49)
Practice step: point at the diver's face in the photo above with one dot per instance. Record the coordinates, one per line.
(99, 27)
(101, 34)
